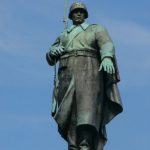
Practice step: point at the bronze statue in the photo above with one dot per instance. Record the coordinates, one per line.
(86, 96)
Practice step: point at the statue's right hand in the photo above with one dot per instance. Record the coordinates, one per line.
(57, 51)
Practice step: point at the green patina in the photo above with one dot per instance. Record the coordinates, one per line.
(86, 92)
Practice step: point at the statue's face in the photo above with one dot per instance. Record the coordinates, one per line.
(78, 16)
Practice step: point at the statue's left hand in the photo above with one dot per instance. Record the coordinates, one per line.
(107, 65)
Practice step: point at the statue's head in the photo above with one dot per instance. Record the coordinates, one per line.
(78, 13)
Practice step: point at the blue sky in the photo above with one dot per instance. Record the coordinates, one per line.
(27, 29)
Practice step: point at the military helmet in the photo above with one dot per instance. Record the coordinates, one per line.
(75, 6)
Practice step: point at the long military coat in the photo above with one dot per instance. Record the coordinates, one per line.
(93, 93)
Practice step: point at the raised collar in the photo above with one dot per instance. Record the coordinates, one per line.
(84, 25)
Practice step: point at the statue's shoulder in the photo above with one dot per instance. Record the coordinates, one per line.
(63, 32)
(98, 26)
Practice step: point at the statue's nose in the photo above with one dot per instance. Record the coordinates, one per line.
(79, 12)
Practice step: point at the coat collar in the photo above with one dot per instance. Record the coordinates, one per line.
(84, 25)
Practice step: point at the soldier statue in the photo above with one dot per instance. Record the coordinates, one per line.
(85, 96)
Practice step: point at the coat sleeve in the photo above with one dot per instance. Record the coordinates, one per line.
(104, 42)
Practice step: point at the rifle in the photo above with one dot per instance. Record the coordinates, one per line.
(54, 101)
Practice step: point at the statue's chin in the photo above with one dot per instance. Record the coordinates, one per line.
(78, 21)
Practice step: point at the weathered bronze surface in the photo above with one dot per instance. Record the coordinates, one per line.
(86, 96)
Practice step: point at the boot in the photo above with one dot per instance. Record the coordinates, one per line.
(84, 145)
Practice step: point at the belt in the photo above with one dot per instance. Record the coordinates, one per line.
(75, 53)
